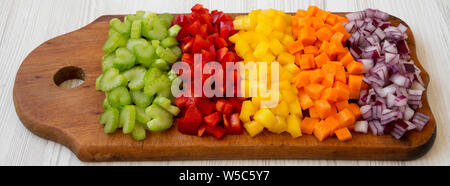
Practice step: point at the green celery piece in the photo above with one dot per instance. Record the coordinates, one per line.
(121, 27)
(166, 54)
(135, 77)
(155, 43)
(107, 61)
(112, 79)
(98, 82)
(173, 31)
(172, 75)
(127, 118)
(147, 19)
(140, 13)
(141, 116)
(169, 42)
(124, 59)
(165, 103)
(158, 30)
(161, 64)
(112, 43)
(145, 54)
(106, 104)
(119, 97)
(135, 17)
(140, 99)
(160, 86)
(160, 118)
(136, 29)
(136, 41)
(151, 74)
(138, 132)
(177, 51)
(111, 32)
(111, 118)
(166, 19)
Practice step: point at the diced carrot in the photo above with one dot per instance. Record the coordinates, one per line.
(313, 113)
(311, 50)
(316, 76)
(301, 79)
(341, 105)
(343, 91)
(342, 19)
(324, 34)
(331, 19)
(364, 86)
(345, 117)
(330, 68)
(304, 22)
(337, 37)
(295, 47)
(333, 110)
(294, 20)
(355, 68)
(321, 131)
(308, 125)
(335, 49)
(343, 134)
(312, 10)
(328, 80)
(305, 101)
(307, 35)
(317, 23)
(347, 59)
(322, 14)
(324, 47)
(340, 28)
(314, 90)
(307, 61)
(355, 110)
(298, 58)
(330, 94)
(332, 123)
(341, 76)
(300, 13)
(323, 107)
(354, 84)
(321, 59)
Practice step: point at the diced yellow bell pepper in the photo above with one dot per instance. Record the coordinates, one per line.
(265, 117)
(294, 108)
(282, 109)
(293, 126)
(280, 126)
(287, 40)
(276, 47)
(253, 128)
(261, 49)
(285, 58)
(291, 67)
(248, 109)
(263, 28)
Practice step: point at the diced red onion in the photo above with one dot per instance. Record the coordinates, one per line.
(362, 126)
(420, 120)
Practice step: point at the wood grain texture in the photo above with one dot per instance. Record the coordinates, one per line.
(46, 19)
(70, 116)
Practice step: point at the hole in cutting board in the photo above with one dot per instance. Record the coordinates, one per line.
(69, 77)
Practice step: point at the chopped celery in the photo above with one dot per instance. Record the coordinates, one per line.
(147, 18)
(166, 54)
(160, 86)
(107, 61)
(177, 51)
(141, 116)
(161, 64)
(160, 118)
(155, 43)
(151, 74)
(145, 54)
(106, 104)
(165, 103)
(172, 75)
(173, 31)
(98, 82)
(124, 59)
(119, 96)
(111, 118)
(112, 79)
(166, 19)
(135, 76)
(140, 99)
(136, 29)
(127, 118)
(158, 31)
(112, 43)
(121, 27)
(169, 42)
(138, 132)
(133, 42)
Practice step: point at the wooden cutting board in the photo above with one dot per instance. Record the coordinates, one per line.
(70, 115)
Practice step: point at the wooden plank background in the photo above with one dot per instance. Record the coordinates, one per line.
(25, 24)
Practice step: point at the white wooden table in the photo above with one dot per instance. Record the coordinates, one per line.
(25, 24)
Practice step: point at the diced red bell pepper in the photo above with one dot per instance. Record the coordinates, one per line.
(220, 104)
(190, 123)
(235, 124)
(199, 43)
(185, 47)
(226, 122)
(201, 130)
(212, 119)
(220, 54)
(227, 108)
(220, 42)
(205, 106)
(217, 132)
